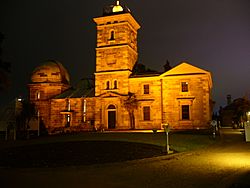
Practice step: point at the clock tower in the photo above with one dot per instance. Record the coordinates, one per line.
(116, 49)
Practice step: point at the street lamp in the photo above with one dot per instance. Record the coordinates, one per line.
(167, 130)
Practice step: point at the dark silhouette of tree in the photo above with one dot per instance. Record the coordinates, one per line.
(242, 107)
(140, 68)
(167, 66)
(131, 103)
(28, 111)
(236, 111)
(4, 68)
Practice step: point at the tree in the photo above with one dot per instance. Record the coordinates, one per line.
(28, 111)
(167, 66)
(4, 68)
(242, 107)
(140, 68)
(131, 103)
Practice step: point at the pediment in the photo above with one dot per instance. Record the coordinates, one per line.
(184, 69)
(110, 94)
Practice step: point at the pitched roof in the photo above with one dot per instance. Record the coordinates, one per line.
(187, 69)
(184, 69)
(84, 88)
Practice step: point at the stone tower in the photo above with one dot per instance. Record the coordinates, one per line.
(116, 49)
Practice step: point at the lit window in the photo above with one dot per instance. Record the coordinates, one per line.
(115, 84)
(84, 106)
(68, 118)
(184, 86)
(185, 112)
(38, 95)
(84, 110)
(68, 105)
(146, 89)
(107, 85)
(146, 113)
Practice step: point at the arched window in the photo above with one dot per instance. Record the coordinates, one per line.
(115, 84)
(111, 116)
(110, 107)
(107, 85)
(112, 35)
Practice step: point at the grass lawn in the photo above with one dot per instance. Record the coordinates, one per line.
(95, 148)
(179, 141)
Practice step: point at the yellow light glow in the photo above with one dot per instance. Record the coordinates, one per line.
(234, 160)
(84, 106)
(69, 105)
(68, 118)
(117, 7)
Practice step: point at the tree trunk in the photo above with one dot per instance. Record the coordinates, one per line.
(132, 120)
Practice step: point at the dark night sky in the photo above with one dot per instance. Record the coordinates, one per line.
(211, 34)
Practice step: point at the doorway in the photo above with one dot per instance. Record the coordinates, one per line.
(111, 117)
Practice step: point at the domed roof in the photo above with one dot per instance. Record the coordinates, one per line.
(50, 72)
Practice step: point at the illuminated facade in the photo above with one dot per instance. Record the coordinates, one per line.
(119, 97)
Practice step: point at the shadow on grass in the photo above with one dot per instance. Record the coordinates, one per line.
(75, 153)
(97, 148)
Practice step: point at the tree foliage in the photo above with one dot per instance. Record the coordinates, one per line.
(28, 111)
(4, 68)
(131, 103)
(242, 107)
(140, 68)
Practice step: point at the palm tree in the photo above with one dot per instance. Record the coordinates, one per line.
(131, 103)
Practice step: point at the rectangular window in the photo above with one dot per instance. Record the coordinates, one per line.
(184, 86)
(146, 113)
(146, 89)
(185, 112)
(42, 74)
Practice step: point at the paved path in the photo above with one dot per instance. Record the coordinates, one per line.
(226, 164)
